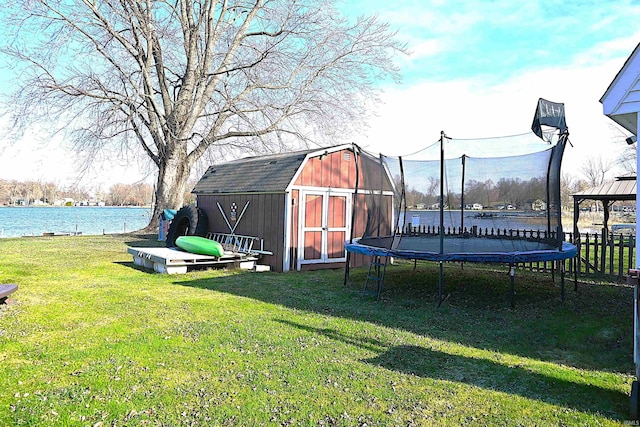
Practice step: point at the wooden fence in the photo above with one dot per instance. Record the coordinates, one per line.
(607, 258)
(611, 256)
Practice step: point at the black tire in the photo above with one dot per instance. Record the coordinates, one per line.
(635, 400)
(188, 221)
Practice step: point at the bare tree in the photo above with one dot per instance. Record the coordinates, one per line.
(628, 159)
(595, 170)
(568, 186)
(178, 79)
(118, 194)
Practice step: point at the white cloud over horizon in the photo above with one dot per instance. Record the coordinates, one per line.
(36, 156)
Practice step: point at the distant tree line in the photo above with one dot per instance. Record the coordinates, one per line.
(30, 193)
(516, 192)
(506, 191)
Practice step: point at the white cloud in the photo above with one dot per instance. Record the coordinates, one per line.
(412, 117)
(425, 48)
(35, 157)
(449, 40)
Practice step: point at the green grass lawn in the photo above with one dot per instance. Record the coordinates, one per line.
(91, 340)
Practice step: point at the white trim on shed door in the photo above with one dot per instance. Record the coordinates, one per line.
(324, 226)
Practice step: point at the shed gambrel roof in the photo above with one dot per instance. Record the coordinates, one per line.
(260, 174)
(621, 100)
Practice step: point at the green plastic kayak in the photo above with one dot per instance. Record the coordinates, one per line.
(200, 245)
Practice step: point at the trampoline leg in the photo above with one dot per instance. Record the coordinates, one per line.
(562, 281)
(440, 285)
(512, 275)
(576, 262)
(346, 269)
(635, 401)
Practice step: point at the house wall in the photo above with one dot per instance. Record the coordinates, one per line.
(263, 218)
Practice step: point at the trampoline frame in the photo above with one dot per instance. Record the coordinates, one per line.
(567, 251)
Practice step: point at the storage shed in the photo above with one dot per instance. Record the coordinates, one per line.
(300, 203)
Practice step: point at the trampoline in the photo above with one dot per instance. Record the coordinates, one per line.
(502, 206)
(463, 249)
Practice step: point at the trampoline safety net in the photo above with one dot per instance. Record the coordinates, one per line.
(478, 199)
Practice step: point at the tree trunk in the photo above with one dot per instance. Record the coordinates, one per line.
(173, 175)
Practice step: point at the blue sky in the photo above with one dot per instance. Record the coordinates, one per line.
(476, 69)
(492, 40)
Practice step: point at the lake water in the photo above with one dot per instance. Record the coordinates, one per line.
(34, 221)
(515, 220)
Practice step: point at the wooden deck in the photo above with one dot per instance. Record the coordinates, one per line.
(173, 261)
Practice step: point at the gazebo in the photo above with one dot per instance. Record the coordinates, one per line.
(624, 188)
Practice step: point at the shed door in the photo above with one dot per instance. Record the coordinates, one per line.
(324, 226)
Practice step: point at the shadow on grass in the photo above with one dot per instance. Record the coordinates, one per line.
(487, 374)
(145, 241)
(590, 330)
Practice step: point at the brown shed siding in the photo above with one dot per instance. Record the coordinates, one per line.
(359, 224)
(264, 218)
(372, 175)
(334, 170)
(337, 170)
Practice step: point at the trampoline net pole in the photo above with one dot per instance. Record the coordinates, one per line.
(401, 217)
(441, 224)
